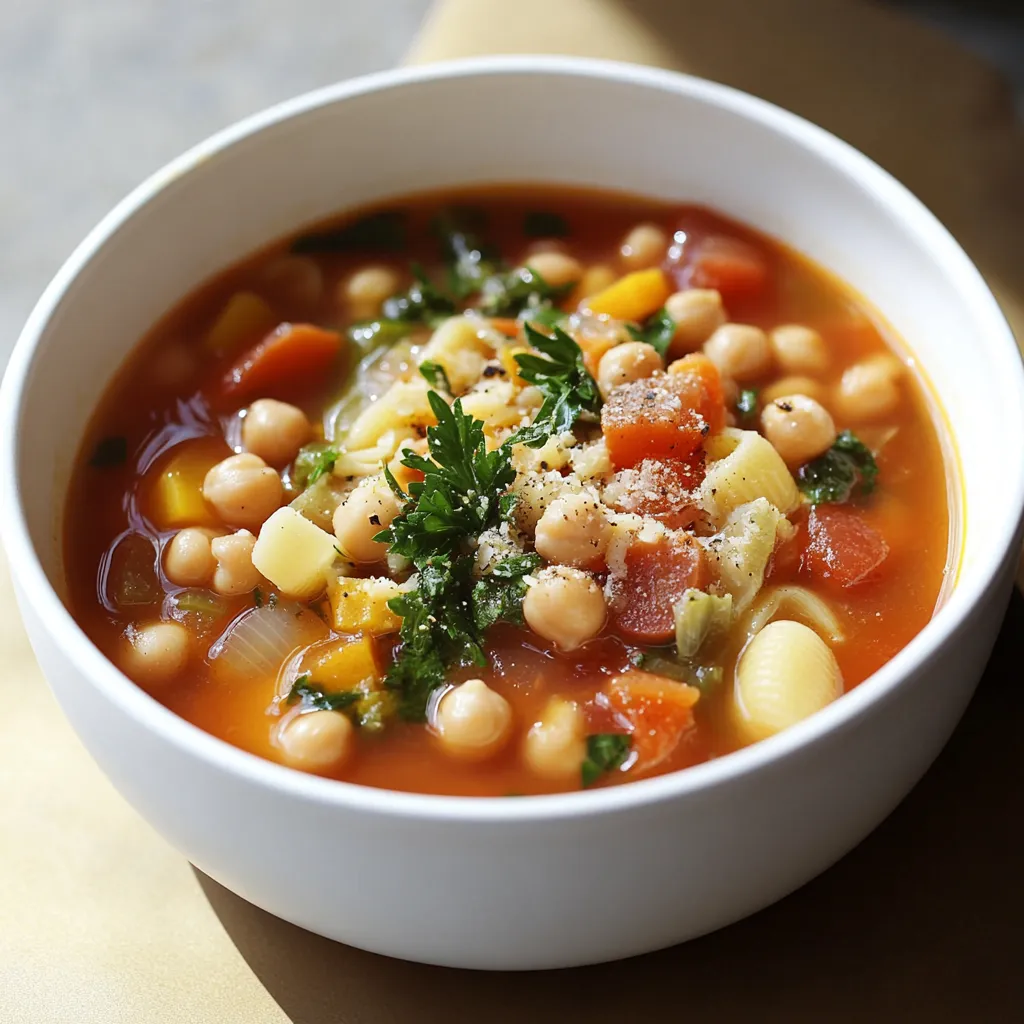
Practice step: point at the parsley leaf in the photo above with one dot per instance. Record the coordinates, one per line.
(436, 376)
(513, 292)
(423, 302)
(313, 461)
(832, 477)
(498, 596)
(560, 373)
(746, 405)
(658, 332)
(605, 752)
(469, 260)
(308, 693)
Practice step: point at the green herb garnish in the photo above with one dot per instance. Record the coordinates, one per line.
(513, 292)
(560, 373)
(544, 224)
(110, 451)
(323, 700)
(746, 405)
(313, 461)
(379, 232)
(423, 302)
(371, 333)
(832, 477)
(498, 596)
(436, 376)
(657, 332)
(605, 752)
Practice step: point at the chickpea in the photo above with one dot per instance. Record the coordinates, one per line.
(645, 246)
(870, 389)
(740, 350)
(275, 431)
(244, 490)
(370, 508)
(472, 720)
(573, 531)
(798, 427)
(235, 574)
(366, 290)
(156, 653)
(316, 740)
(794, 386)
(565, 606)
(296, 282)
(556, 746)
(188, 561)
(632, 360)
(595, 279)
(557, 269)
(799, 349)
(698, 313)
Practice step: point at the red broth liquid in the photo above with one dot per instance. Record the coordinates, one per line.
(156, 402)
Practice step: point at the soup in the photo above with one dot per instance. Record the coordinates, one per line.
(509, 492)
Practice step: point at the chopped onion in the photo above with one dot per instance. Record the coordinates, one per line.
(261, 641)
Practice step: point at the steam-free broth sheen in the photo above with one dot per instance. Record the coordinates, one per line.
(657, 487)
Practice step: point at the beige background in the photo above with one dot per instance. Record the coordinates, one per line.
(100, 921)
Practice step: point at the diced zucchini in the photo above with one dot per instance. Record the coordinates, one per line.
(294, 554)
(700, 618)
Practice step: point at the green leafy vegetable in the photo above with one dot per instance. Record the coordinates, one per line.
(372, 333)
(498, 596)
(313, 461)
(311, 695)
(110, 451)
(658, 332)
(436, 376)
(547, 316)
(560, 373)
(832, 477)
(423, 302)
(544, 224)
(746, 405)
(605, 752)
(513, 292)
(379, 232)
(203, 603)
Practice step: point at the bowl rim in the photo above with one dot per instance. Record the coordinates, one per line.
(913, 216)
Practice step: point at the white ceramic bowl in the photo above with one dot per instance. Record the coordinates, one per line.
(541, 881)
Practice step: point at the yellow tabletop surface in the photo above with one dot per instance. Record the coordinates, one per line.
(101, 922)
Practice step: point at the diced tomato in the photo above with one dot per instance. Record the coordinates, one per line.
(659, 710)
(663, 490)
(735, 268)
(785, 560)
(663, 417)
(656, 576)
(843, 549)
(285, 361)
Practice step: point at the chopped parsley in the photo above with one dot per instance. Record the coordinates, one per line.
(514, 292)
(257, 597)
(313, 461)
(462, 494)
(560, 373)
(436, 376)
(311, 695)
(424, 302)
(746, 405)
(658, 332)
(371, 333)
(605, 752)
(831, 478)
(378, 232)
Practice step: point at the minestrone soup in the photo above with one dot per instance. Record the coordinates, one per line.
(509, 492)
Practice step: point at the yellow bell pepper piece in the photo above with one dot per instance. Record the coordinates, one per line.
(243, 321)
(361, 605)
(633, 297)
(345, 664)
(507, 355)
(173, 495)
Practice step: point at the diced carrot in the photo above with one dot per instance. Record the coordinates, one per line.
(663, 490)
(656, 576)
(843, 549)
(633, 297)
(698, 366)
(594, 347)
(659, 710)
(503, 325)
(663, 417)
(283, 362)
(735, 268)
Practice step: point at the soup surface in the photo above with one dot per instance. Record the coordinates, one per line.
(508, 492)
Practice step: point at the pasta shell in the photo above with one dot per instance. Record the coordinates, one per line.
(785, 674)
(745, 466)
